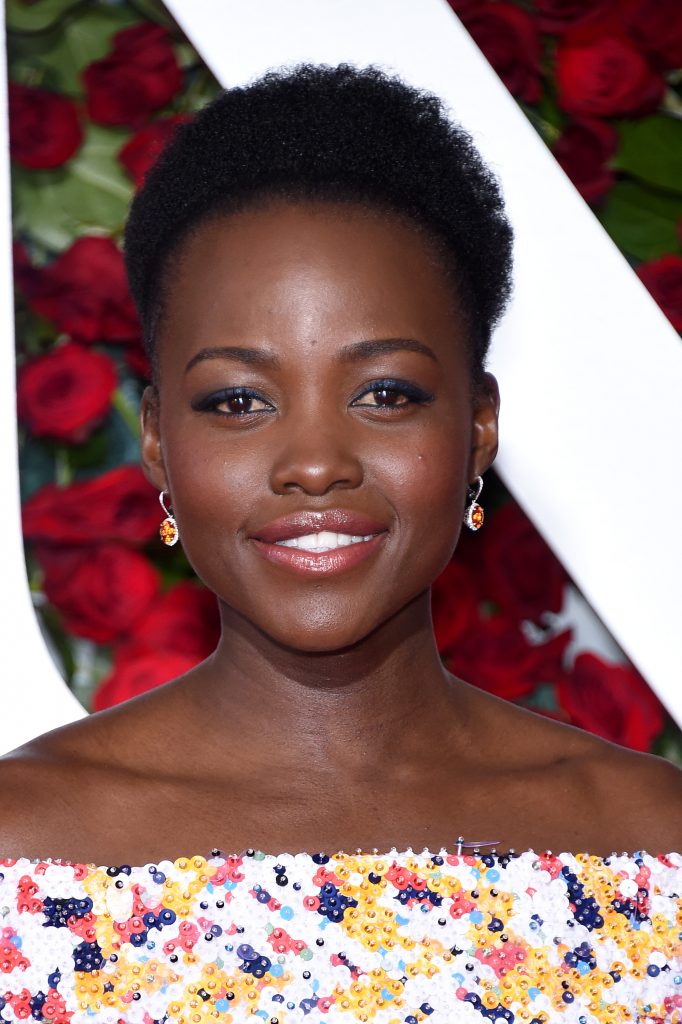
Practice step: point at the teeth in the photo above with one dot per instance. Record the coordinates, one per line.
(324, 541)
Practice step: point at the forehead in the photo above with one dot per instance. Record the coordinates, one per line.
(316, 271)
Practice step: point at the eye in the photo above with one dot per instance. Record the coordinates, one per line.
(391, 394)
(235, 402)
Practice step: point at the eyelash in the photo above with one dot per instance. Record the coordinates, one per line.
(211, 402)
(414, 395)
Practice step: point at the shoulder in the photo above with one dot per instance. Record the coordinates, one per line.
(643, 793)
(39, 784)
(633, 800)
(596, 793)
(62, 778)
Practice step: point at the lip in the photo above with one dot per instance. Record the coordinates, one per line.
(319, 563)
(336, 520)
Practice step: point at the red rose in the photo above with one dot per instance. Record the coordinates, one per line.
(583, 151)
(663, 278)
(101, 591)
(495, 655)
(143, 150)
(65, 393)
(555, 16)
(133, 677)
(606, 77)
(509, 38)
(520, 572)
(140, 75)
(454, 602)
(84, 292)
(44, 127)
(117, 506)
(612, 701)
(656, 27)
(184, 620)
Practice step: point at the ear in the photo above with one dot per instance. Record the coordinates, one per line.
(150, 440)
(484, 436)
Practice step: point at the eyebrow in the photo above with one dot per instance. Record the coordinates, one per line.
(366, 349)
(250, 356)
(356, 352)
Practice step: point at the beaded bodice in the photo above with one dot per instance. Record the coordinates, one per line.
(392, 939)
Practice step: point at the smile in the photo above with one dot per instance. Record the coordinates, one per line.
(316, 543)
(324, 541)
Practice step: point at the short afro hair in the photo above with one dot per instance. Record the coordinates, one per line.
(336, 134)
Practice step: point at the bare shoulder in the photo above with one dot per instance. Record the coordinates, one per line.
(55, 784)
(634, 799)
(593, 794)
(643, 793)
(41, 783)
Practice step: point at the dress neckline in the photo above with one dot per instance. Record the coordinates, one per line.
(445, 855)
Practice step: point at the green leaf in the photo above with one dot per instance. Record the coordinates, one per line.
(33, 334)
(651, 150)
(642, 222)
(91, 453)
(669, 743)
(90, 194)
(23, 17)
(155, 11)
(36, 467)
(201, 88)
(543, 698)
(546, 120)
(120, 446)
(57, 57)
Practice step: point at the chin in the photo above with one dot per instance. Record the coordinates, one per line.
(319, 638)
(331, 641)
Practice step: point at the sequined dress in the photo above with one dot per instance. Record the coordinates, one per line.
(393, 939)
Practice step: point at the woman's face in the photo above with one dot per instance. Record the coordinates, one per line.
(315, 426)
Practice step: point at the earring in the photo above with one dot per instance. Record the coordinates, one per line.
(168, 531)
(473, 514)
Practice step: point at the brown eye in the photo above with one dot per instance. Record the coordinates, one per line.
(392, 394)
(388, 396)
(233, 402)
(237, 405)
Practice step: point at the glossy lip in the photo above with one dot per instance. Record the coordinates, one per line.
(319, 563)
(336, 520)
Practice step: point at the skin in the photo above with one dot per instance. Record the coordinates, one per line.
(324, 719)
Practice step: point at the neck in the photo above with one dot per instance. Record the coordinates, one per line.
(350, 710)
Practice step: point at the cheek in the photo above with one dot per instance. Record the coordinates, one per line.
(426, 487)
(437, 484)
(213, 489)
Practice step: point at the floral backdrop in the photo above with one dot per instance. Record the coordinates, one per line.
(95, 90)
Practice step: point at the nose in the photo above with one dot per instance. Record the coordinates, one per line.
(315, 460)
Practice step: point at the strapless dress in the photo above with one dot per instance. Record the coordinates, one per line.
(391, 938)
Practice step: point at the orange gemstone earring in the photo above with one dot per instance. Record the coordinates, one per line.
(473, 514)
(168, 531)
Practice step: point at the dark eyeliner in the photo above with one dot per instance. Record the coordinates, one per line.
(403, 387)
(209, 402)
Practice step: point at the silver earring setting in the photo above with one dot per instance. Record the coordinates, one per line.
(473, 514)
(168, 531)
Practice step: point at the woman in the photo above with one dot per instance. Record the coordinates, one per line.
(318, 261)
